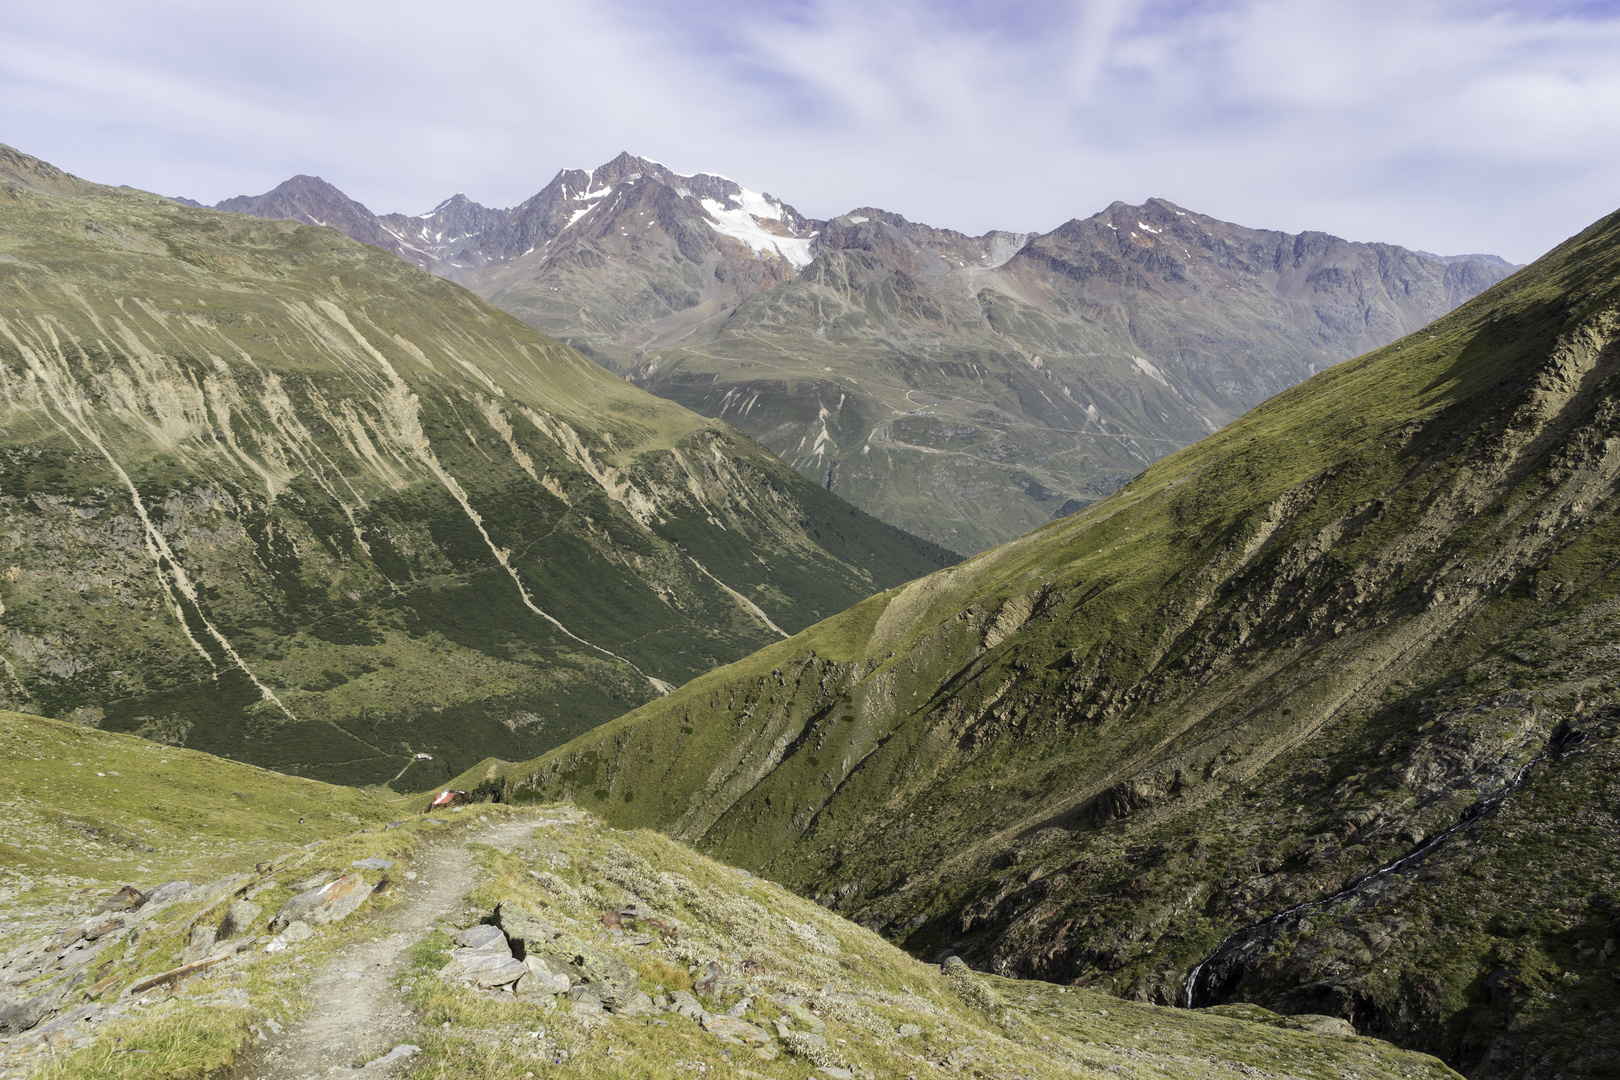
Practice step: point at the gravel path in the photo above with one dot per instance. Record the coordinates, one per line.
(357, 1015)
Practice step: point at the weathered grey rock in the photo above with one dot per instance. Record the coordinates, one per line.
(218, 890)
(483, 969)
(523, 927)
(953, 962)
(541, 982)
(396, 1056)
(909, 1030)
(239, 918)
(685, 1004)
(372, 864)
(126, 899)
(296, 931)
(201, 943)
(797, 1009)
(168, 893)
(606, 975)
(729, 1027)
(638, 1004)
(582, 996)
(483, 937)
(19, 1016)
(327, 904)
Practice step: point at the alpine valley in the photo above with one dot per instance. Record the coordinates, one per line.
(1273, 729)
(964, 388)
(280, 496)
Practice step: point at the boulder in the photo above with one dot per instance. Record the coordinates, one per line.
(168, 893)
(729, 1027)
(126, 899)
(483, 937)
(638, 1004)
(200, 945)
(373, 864)
(483, 967)
(327, 904)
(685, 1004)
(19, 1016)
(525, 930)
(542, 980)
(295, 932)
(606, 975)
(217, 890)
(239, 918)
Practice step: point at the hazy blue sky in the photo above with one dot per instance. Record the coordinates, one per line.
(1454, 127)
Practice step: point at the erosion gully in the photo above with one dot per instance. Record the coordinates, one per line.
(1215, 973)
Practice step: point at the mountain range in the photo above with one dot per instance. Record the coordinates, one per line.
(274, 494)
(964, 388)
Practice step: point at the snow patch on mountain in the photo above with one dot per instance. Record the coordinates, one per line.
(741, 223)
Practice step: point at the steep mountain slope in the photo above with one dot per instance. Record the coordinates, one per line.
(109, 967)
(1272, 664)
(964, 388)
(277, 495)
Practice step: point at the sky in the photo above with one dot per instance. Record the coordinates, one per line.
(1452, 127)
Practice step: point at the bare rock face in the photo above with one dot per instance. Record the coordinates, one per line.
(200, 944)
(552, 955)
(483, 958)
(327, 904)
(238, 919)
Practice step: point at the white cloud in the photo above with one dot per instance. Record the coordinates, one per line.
(1440, 125)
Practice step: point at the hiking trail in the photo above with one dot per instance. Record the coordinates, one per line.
(357, 1015)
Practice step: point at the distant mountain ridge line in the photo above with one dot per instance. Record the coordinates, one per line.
(290, 193)
(965, 389)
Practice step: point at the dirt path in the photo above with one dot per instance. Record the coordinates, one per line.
(356, 1014)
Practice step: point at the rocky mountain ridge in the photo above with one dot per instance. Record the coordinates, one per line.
(965, 388)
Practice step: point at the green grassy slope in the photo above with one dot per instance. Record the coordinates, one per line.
(88, 809)
(160, 814)
(277, 495)
(1269, 664)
